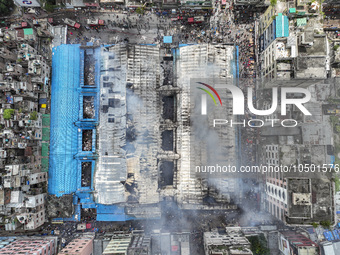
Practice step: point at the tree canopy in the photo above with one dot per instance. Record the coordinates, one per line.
(33, 115)
(8, 113)
(259, 245)
(6, 7)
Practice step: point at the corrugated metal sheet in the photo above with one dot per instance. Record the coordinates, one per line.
(44, 164)
(28, 31)
(44, 149)
(64, 113)
(110, 213)
(45, 134)
(301, 22)
(282, 26)
(46, 120)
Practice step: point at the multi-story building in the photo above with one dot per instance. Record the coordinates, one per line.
(291, 56)
(309, 143)
(291, 242)
(230, 241)
(43, 246)
(167, 243)
(295, 56)
(109, 119)
(7, 56)
(136, 242)
(330, 248)
(118, 245)
(24, 77)
(140, 244)
(79, 246)
(283, 62)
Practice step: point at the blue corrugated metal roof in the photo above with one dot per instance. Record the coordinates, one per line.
(66, 111)
(63, 170)
(282, 26)
(111, 213)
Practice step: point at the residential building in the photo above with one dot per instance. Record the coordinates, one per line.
(24, 78)
(31, 246)
(310, 142)
(292, 58)
(291, 242)
(118, 246)
(79, 246)
(140, 244)
(127, 243)
(167, 243)
(330, 248)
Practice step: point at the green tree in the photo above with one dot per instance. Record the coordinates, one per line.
(8, 113)
(334, 120)
(273, 2)
(6, 6)
(140, 10)
(259, 245)
(49, 7)
(33, 115)
(315, 225)
(325, 224)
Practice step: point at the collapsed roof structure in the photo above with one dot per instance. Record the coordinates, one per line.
(123, 134)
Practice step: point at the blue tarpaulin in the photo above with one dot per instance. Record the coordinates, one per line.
(63, 170)
(167, 39)
(42, 100)
(111, 213)
(9, 99)
(328, 235)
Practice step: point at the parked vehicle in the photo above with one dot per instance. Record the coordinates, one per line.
(71, 23)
